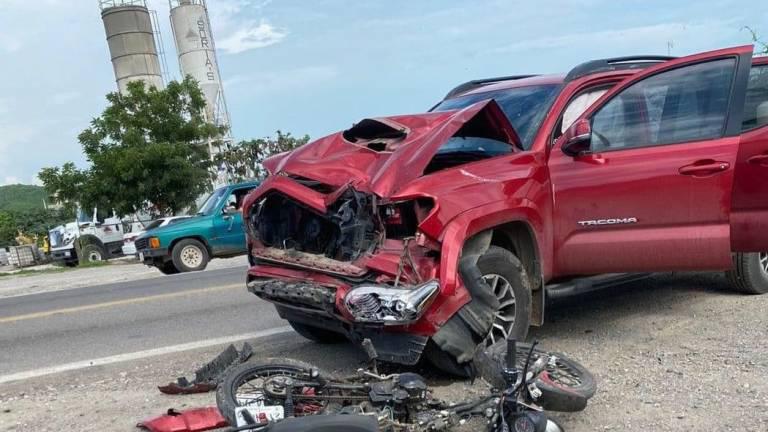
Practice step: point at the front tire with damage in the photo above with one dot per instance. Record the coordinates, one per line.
(505, 285)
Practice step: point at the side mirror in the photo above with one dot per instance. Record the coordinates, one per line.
(578, 139)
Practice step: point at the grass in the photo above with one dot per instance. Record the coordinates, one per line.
(56, 269)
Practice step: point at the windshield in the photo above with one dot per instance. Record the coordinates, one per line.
(154, 224)
(210, 203)
(525, 107)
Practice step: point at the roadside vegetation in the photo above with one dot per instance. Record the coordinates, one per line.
(148, 152)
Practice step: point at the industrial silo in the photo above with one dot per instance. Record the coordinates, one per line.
(197, 54)
(131, 39)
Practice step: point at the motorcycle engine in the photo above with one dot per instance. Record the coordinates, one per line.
(407, 389)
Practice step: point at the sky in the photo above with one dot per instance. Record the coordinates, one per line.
(315, 67)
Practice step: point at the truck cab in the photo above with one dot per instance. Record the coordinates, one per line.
(216, 231)
(87, 239)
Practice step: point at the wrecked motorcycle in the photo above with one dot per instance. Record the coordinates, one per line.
(274, 395)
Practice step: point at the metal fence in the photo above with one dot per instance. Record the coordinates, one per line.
(23, 256)
(106, 4)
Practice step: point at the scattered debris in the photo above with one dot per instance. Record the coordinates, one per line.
(208, 376)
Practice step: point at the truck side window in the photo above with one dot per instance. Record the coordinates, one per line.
(756, 102)
(676, 106)
(579, 105)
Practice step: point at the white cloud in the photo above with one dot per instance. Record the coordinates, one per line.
(652, 35)
(10, 180)
(10, 44)
(292, 79)
(251, 36)
(65, 97)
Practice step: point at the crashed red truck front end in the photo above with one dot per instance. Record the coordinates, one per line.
(361, 232)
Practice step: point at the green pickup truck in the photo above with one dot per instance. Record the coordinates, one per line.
(215, 232)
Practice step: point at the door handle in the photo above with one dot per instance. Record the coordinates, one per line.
(704, 168)
(761, 159)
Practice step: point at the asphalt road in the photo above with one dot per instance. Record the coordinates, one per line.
(57, 328)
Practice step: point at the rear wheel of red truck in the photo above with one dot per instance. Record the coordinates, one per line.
(750, 273)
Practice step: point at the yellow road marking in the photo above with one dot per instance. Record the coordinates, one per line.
(117, 303)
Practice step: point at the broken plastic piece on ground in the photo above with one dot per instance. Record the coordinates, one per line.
(194, 420)
(181, 389)
(207, 377)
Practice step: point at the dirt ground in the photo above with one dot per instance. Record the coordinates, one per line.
(671, 353)
(121, 270)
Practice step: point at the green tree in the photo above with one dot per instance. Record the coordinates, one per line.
(7, 230)
(148, 152)
(65, 185)
(760, 45)
(243, 160)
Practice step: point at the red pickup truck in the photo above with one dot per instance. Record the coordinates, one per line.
(431, 233)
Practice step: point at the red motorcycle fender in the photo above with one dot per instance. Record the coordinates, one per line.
(194, 420)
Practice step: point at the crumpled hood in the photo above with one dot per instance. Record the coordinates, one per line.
(382, 155)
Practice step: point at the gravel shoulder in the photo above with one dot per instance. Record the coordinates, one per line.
(121, 270)
(674, 352)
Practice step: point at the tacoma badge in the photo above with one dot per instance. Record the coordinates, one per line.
(617, 221)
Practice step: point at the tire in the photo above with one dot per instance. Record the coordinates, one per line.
(189, 255)
(226, 393)
(566, 387)
(317, 334)
(168, 268)
(750, 273)
(92, 253)
(503, 263)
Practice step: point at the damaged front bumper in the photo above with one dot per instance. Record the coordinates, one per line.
(349, 262)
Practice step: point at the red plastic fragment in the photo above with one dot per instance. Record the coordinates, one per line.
(194, 420)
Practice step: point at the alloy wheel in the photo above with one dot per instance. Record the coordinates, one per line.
(504, 319)
(192, 257)
(764, 262)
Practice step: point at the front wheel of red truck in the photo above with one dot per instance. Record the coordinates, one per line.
(504, 276)
(750, 273)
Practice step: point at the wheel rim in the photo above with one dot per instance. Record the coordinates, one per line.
(504, 319)
(258, 389)
(94, 256)
(192, 256)
(764, 262)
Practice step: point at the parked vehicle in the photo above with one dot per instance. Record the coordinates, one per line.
(129, 246)
(188, 245)
(431, 233)
(88, 238)
(526, 381)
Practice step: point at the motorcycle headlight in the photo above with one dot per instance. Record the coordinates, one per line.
(386, 305)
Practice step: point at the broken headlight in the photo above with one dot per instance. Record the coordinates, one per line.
(386, 305)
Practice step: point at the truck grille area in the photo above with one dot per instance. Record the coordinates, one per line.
(344, 233)
(141, 244)
(295, 293)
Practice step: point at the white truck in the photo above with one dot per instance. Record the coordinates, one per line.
(86, 239)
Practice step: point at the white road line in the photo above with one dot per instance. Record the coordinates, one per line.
(141, 354)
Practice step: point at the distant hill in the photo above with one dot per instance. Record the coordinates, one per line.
(20, 198)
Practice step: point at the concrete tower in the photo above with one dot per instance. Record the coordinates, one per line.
(197, 54)
(131, 39)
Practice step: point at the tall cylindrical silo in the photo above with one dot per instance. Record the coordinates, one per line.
(197, 54)
(131, 40)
